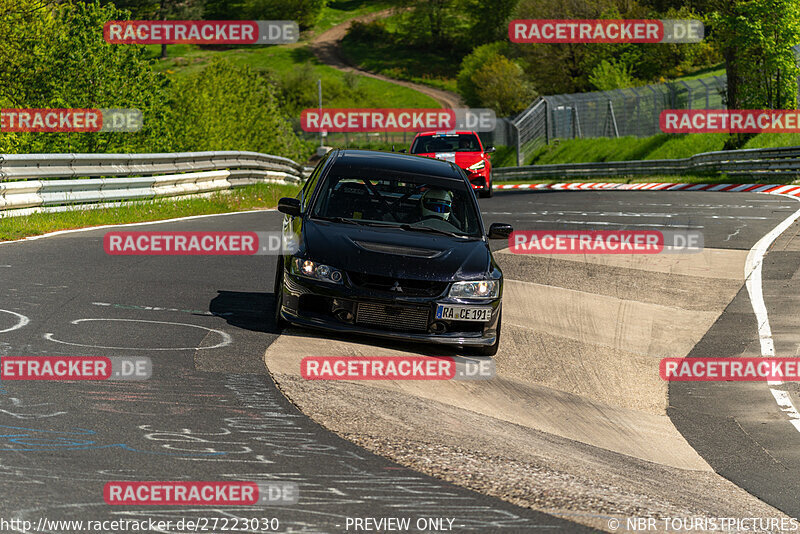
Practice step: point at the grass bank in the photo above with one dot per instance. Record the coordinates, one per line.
(389, 53)
(339, 11)
(259, 196)
(662, 146)
(298, 70)
(666, 178)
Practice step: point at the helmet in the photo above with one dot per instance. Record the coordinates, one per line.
(436, 202)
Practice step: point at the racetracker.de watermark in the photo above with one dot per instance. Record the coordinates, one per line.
(171, 493)
(760, 369)
(730, 120)
(605, 242)
(70, 120)
(395, 368)
(75, 368)
(198, 243)
(605, 31)
(201, 31)
(396, 119)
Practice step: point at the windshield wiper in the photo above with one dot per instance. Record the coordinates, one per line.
(336, 219)
(431, 230)
(361, 222)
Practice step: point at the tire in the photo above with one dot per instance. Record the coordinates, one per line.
(280, 322)
(491, 350)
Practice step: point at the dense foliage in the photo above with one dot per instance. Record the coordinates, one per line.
(753, 37)
(53, 55)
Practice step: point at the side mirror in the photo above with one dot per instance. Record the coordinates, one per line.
(289, 206)
(490, 150)
(500, 231)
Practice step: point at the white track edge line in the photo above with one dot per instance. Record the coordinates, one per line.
(161, 221)
(754, 283)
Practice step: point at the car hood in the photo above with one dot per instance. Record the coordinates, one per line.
(462, 159)
(394, 252)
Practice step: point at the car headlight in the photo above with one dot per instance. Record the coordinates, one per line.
(478, 166)
(481, 289)
(316, 271)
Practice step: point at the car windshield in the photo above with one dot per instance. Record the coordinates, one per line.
(427, 144)
(416, 205)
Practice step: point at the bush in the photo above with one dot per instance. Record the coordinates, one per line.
(304, 12)
(369, 32)
(438, 24)
(501, 86)
(227, 107)
(58, 58)
(299, 89)
(470, 65)
(609, 75)
(489, 79)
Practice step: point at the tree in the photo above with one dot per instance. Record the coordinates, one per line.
(489, 19)
(436, 23)
(228, 107)
(501, 85)
(471, 63)
(564, 68)
(60, 59)
(489, 79)
(304, 12)
(756, 37)
(609, 75)
(159, 10)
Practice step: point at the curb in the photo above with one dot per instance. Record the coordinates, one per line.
(778, 189)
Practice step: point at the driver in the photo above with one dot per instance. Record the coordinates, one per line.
(436, 203)
(465, 143)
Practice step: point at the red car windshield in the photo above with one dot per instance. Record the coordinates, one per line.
(428, 144)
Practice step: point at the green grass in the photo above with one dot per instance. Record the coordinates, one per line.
(259, 196)
(340, 11)
(767, 140)
(714, 70)
(393, 57)
(352, 91)
(504, 156)
(661, 146)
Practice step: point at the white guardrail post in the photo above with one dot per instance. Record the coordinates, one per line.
(42, 182)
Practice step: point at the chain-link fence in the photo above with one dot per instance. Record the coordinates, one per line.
(634, 111)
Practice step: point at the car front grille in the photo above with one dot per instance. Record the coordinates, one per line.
(398, 286)
(391, 317)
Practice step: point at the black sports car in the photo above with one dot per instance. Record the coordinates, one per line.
(393, 246)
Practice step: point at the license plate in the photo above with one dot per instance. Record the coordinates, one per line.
(464, 313)
(445, 156)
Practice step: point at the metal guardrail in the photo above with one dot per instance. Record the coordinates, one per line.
(783, 161)
(41, 180)
(617, 113)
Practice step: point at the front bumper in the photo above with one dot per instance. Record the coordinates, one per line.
(479, 180)
(315, 305)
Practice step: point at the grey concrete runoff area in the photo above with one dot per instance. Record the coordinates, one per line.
(576, 430)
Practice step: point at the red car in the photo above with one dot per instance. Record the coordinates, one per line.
(463, 148)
